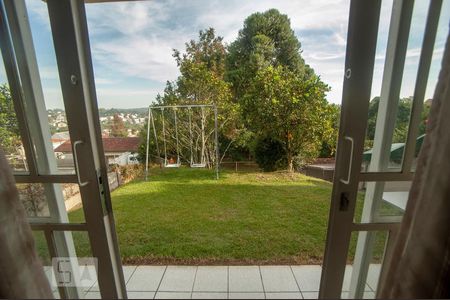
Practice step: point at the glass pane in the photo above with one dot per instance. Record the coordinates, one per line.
(37, 199)
(32, 196)
(50, 136)
(375, 255)
(10, 139)
(392, 151)
(43, 252)
(81, 264)
(381, 201)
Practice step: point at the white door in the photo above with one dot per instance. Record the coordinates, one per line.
(92, 232)
(371, 187)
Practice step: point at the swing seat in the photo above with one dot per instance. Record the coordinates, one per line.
(172, 165)
(198, 165)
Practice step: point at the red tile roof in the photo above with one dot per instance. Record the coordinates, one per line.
(115, 144)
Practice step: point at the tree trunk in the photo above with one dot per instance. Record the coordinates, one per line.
(290, 160)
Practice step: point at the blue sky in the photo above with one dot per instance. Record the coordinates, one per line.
(132, 42)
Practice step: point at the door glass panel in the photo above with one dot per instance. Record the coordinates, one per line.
(53, 141)
(376, 252)
(384, 201)
(43, 252)
(396, 138)
(83, 263)
(10, 139)
(32, 196)
(36, 197)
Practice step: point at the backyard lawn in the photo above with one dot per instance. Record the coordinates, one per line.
(185, 216)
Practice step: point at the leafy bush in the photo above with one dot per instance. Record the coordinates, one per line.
(129, 172)
(268, 153)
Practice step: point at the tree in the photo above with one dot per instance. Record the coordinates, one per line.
(202, 68)
(279, 95)
(265, 40)
(285, 106)
(401, 123)
(331, 131)
(118, 127)
(9, 129)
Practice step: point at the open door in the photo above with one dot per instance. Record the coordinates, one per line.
(55, 231)
(370, 190)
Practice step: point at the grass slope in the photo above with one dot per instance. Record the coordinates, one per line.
(185, 216)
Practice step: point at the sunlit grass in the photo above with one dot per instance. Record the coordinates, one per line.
(186, 216)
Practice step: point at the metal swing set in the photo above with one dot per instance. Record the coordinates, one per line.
(168, 163)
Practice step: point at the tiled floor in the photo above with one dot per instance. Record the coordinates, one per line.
(228, 282)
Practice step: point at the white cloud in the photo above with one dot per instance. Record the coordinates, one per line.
(49, 72)
(104, 81)
(136, 39)
(134, 56)
(120, 97)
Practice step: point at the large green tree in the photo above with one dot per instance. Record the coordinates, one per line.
(279, 95)
(289, 108)
(265, 40)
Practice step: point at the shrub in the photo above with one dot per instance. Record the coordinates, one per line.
(268, 153)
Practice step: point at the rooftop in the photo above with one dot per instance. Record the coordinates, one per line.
(115, 144)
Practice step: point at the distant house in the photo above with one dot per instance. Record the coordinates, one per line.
(396, 153)
(60, 138)
(120, 151)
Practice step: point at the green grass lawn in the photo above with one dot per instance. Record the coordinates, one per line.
(185, 216)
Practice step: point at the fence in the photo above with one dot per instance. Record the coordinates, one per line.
(239, 166)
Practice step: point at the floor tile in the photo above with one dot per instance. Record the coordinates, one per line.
(366, 295)
(245, 279)
(373, 275)
(369, 295)
(308, 277)
(310, 295)
(295, 295)
(172, 295)
(178, 279)
(211, 279)
(92, 295)
(246, 296)
(127, 272)
(348, 278)
(208, 295)
(141, 295)
(278, 279)
(89, 278)
(146, 278)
